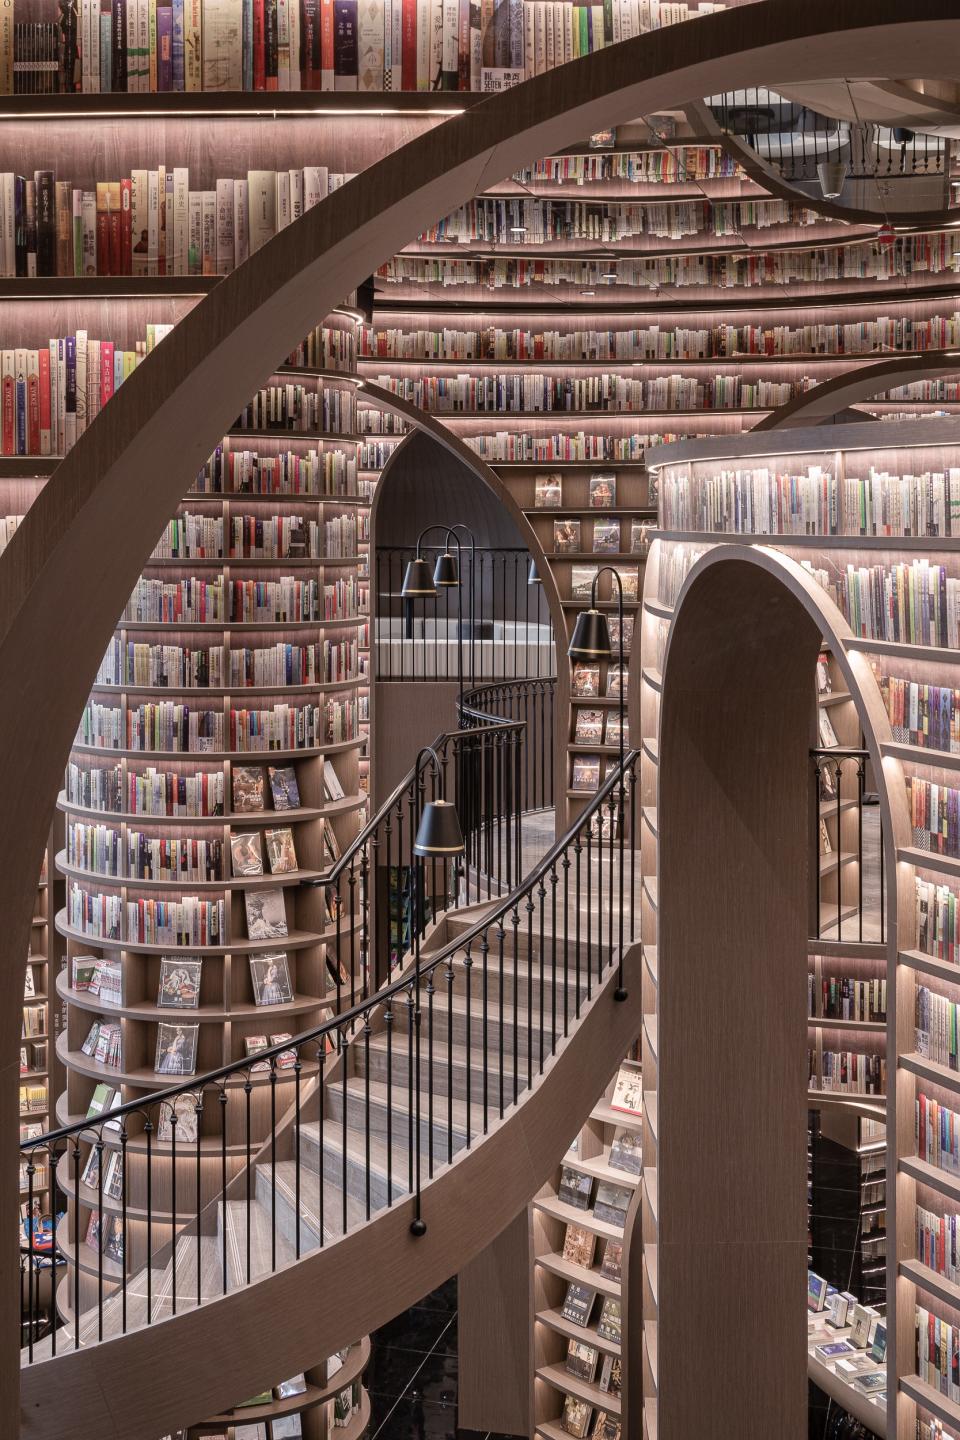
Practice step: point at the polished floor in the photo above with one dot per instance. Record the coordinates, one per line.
(412, 1377)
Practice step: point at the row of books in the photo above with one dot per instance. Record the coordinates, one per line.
(929, 254)
(104, 1044)
(600, 727)
(915, 604)
(937, 1036)
(937, 921)
(938, 1242)
(296, 407)
(191, 920)
(166, 726)
(133, 46)
(505, 447)
(260, 537)
(33, 1098)
(536, 393)
(48, 396)
(849, 1071)
(938, 1353)
(105, 851)
(937, 1133)
(151, 223)
(658, 342)
(816, 502)
(169, 793)
(198, 601)
(187, 667)
(34, 1021)
(33, 1057)
(934, 816)
(230, 471)
(98, 975)
(539, 220)
(844, 998)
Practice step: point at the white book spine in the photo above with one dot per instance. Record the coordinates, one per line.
(396, 48)
(262, 200)
(181, 221)
(314, 185)
(192, 52)
(296, 194)
(370, 45)
(423, 44)
(283, 44)
(225, 245)
(89, 222)
(283, 199)
(195, 252)
(81, 381)
(436, 44)
(54, 399)
(241, 222)
(153, 221)
(209, 232)
(294, 23)
(139, 225)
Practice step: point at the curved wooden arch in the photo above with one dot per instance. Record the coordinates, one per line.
(115, 491)
(829, 400)
(733, 886)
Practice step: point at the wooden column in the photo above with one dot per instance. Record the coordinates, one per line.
(494, 1329)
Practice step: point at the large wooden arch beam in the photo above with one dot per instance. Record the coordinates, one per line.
(73, 562)
(733, 795)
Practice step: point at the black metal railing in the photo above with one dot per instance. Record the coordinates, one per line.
(493, 625)
(530, 703)
(207, 1185)
(848, 870)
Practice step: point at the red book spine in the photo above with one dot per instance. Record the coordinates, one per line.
(9, 413)
(126, 227)
(116, 243)
(106, 371)
(326, 40)
(408, 73)
(45, 395)
(259, 45)
(33, 413)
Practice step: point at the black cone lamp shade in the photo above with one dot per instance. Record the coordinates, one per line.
(591, 637)
(447, 572)
(533, 574)
(418, 580)
(439, 835)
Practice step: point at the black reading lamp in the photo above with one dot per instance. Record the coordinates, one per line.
(418, 580)
(439, 837)
(590, 641)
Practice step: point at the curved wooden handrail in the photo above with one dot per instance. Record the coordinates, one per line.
(115, 491)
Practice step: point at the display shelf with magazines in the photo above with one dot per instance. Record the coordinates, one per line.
(578, 1222)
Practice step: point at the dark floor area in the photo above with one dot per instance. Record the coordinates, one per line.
(412, 1378)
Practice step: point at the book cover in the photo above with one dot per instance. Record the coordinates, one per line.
(281, 852)
(628, 1091)
(245, 853)
(585, 681)
(270, 977)
(548, 491)
(248, 788)
(603, 491)
(566, 536)
(266, 914)
(176, 1049)
(575, 1188)
(284, 788)
(578, 1302)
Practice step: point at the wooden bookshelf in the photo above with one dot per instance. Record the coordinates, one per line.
(35, 1055)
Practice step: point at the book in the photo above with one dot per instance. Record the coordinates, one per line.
(548, 491)
(283, 787)
(84, 969)
(247, 788)
(578, 1302)
(612, 1263)
(270, 976)
(281, 854)
(603, 491)
(828, 736)
(626, 1152)
(628, 1091)
(617, 682)
(585, 680)
(611, 1203)
(331, 782)
(575, 1187)
(582, 1360)
(184, 1108)
(608, 1326)
(606, 1426)
(581, 581)
(579, 1245)
(104, 1099)
(610, 1378)
(296, 1385)
(630, 580)
(176, 1049)
(575, 1419)
(589, 726)
(566, 536)
(287, 1058)
(606, 537)
(586, 773)
(266, 914)
(639, 537)
(252, 1045)
(331, 844)
(614, 728)
(179, 987)
(245, 853)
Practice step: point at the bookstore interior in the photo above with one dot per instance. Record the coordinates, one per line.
(474, 728)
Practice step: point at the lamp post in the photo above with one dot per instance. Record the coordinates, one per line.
(591, 641)
(439, 837)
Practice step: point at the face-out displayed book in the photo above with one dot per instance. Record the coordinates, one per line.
(626, 1152)
(603, 491)
(296, 1385)
(248, 789)
(579, 1245)
(630, 580)
(828, 736)
(586, 773)
(578, 1302)
(281, 852)
(266, 914)
(548, 491)
(628, 1091)
(284, 787)
(614, 729)
(29, 989)
(566, 536)
(585, 680)
(179, 987)
(184, 1108)
(246, 855)
(575, 1419)
(612, 1263)
(331, 782)
(606, 537)
(612, 1203)
(613, 625)
(270, 977)
(582, 1360)
(581, 581)
(608, 1326)
(639, 537)
(618, 682)
(610, 1378)
(575, 1187)
(176, 1049)
(589, 727)
(104, 1099)
(606, 1426)
(331, 844)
